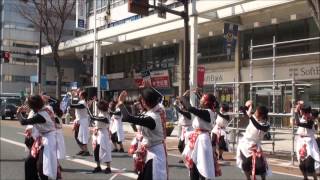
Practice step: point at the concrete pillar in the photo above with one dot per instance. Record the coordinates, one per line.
(237, 72)
(193, 83)
(181, 80)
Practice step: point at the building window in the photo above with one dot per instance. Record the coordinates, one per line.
(300, 29)
(158, 58)
(25, 45)
(212, 49)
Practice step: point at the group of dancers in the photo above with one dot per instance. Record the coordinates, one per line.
(202, 142)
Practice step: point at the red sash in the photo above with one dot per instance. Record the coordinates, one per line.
(37, 145)
(256, 152)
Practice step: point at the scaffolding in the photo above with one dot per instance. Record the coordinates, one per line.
(274, 82)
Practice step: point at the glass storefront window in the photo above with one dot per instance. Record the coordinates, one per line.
(292, 30)
(212, 49)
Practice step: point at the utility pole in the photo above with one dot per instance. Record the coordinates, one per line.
(39, 58)
(186, 45)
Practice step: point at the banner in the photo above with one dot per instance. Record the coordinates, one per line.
(80, 14)
(200, 75)
(230, 36)
(159, 79)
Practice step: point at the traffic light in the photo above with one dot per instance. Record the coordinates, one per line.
(140, 7)
(6, 56)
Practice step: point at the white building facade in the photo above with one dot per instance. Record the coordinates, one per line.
(21, 38)
(131, 43)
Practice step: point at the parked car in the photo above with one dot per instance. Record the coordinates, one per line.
(8, 107)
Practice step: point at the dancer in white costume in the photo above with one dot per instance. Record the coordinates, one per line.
(101, 138)
(116, 127)
(307, 148)
(198, 153)
(250, 157)
(184, 121)
(81, 124)
(153, 148)
(218, 133)
(45, 147)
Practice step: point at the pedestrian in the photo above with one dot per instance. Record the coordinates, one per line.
(307, 148)
(198, 153)
(218, 133)
(100, 138)
(81, 124)
(116, 127)
(250, 157)
(44, 148)
(153, 145)
(184, 121)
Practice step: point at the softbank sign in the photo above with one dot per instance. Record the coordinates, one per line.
(80, 14)
(305, 72)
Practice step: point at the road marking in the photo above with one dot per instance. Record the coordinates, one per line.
(286, 174)
(127, 174)
(79, 161)
(117, 174)
(275, 172)
(13, 142)
(20, 133)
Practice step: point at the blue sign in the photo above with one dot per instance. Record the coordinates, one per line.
(74, 85)
(80, 23)
(104, 84)
(230, 37)
(34, 78)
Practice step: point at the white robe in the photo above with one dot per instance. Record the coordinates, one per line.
(159, 161)
(82, 117)
(61, 149)
(50, 162)
(306, 136)
(202, 155)
(117, 127)
(252, 137)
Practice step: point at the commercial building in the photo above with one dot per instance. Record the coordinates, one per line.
(20, 38)
(128, 44)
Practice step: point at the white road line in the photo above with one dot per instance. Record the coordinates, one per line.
(117, 174)
(130, 175)
(275, 172)
(13, 142)
(20, 133)
(286, 174)
(79, 161)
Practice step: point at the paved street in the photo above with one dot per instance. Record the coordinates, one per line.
(77, 167)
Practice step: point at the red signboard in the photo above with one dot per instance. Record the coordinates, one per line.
(159, 79)
(201, 71)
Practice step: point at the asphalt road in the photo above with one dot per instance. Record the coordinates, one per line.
(78, 167)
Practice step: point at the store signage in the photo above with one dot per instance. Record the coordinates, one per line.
(305, 72)
(159, 79)
(104, 83)
(115, 75)
(80, 14)
(200, 75)
(298, 72)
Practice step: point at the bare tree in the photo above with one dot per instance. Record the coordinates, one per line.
(49, 16)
